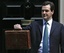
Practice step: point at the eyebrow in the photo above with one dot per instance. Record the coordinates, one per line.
(45, 10)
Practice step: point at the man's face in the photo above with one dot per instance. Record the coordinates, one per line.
(46, 12)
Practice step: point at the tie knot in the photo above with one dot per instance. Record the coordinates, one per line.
(46, 23)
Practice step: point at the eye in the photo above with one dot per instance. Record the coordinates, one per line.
(45, 10)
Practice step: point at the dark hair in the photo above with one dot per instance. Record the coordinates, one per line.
(50, 3)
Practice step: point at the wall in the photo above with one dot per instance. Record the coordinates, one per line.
(61, 19)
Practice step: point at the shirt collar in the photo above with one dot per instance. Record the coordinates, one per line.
(49, 21)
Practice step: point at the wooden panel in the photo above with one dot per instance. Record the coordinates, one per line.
(17, 39)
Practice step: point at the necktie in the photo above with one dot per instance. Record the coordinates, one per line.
(45, 39)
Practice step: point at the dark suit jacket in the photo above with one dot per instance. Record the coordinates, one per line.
(56, 36)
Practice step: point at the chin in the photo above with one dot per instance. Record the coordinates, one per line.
(45, 18)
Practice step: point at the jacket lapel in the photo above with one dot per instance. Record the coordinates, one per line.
(41, 26)
(53, 27)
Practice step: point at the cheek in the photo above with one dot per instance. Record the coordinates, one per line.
(49, 14)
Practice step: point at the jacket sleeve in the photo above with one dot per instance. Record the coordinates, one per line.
(62, 39)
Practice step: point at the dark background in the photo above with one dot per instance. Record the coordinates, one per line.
(21, 9)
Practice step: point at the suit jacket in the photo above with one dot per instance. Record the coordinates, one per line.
(56, 36)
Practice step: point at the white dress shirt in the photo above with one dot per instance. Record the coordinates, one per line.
(40, 50)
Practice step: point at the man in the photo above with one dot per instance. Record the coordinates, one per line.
(55, 31)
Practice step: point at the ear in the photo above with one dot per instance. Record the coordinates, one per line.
(52, 12)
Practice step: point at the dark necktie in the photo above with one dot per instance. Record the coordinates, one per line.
(45, 39)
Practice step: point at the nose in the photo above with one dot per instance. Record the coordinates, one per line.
(44, 12)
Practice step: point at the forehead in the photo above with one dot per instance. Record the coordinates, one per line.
(46, 7)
